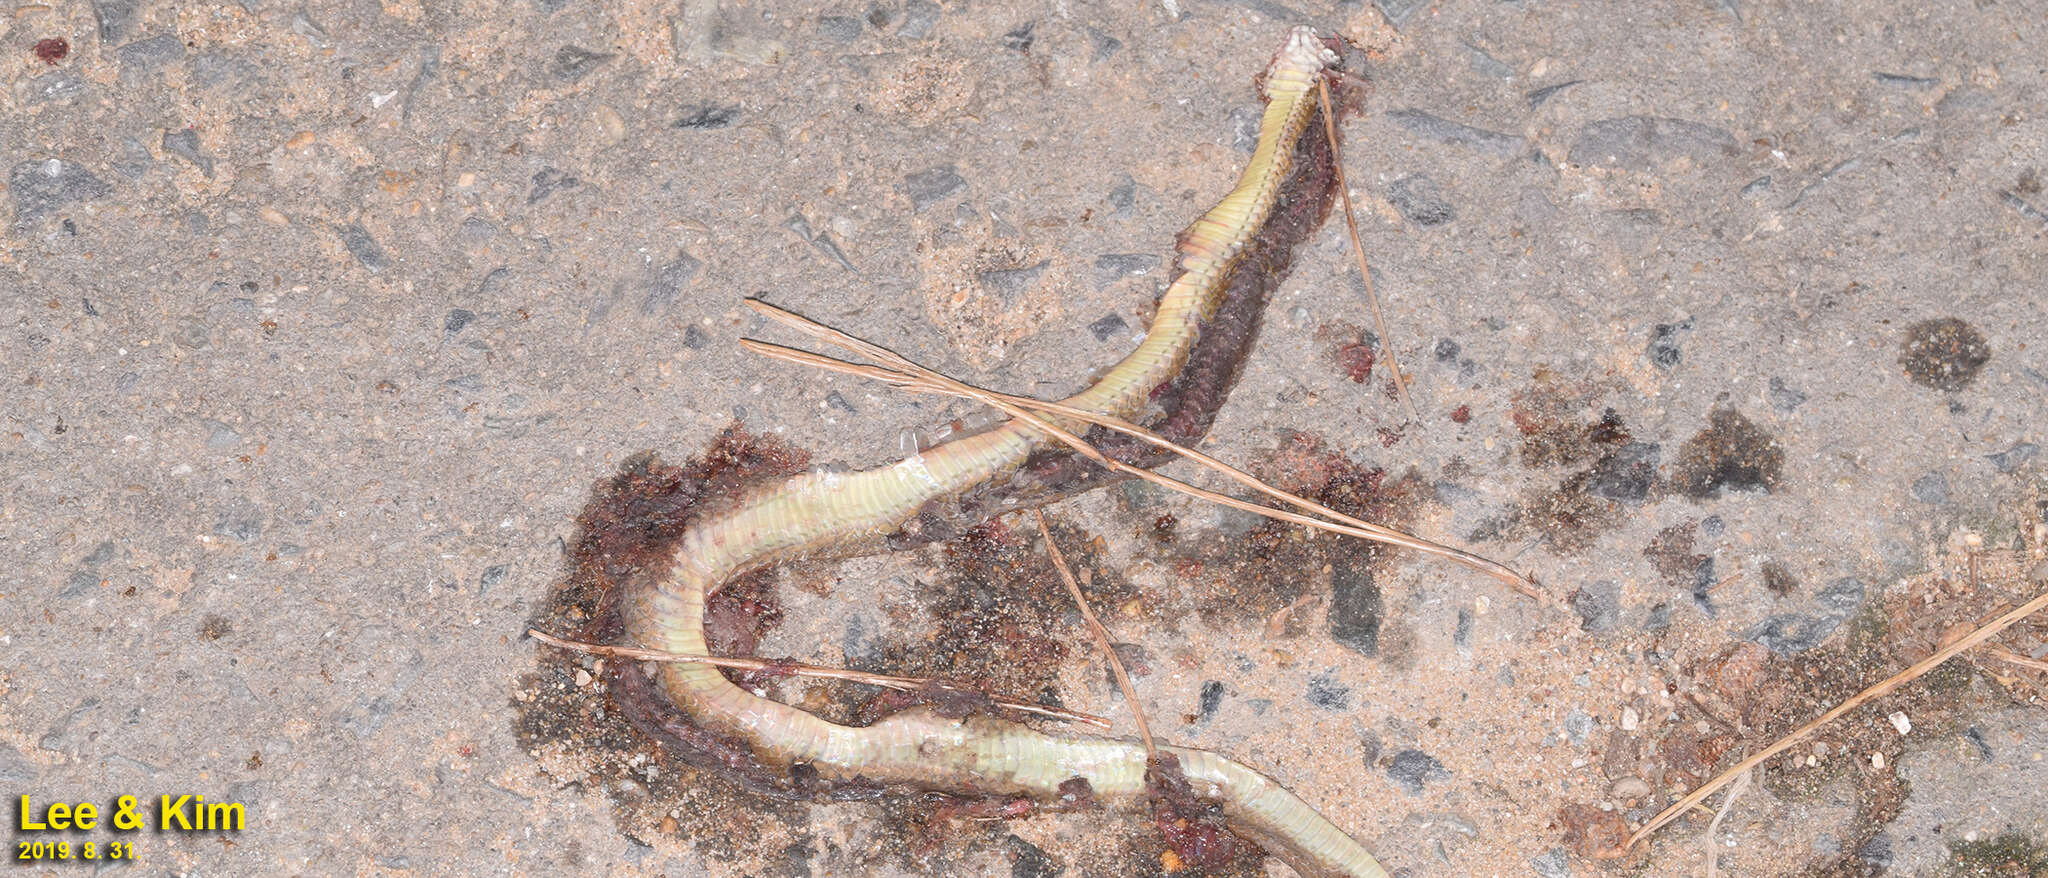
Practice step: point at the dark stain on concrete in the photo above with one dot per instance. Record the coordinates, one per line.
(1730, 454)
(1945, 353)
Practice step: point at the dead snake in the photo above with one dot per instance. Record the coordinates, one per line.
(1228, 262)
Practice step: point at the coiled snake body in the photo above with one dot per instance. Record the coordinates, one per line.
(1229, 260)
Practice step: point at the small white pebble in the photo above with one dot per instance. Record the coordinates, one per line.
(1629, 719)
(1900, 722)
(1877, 760)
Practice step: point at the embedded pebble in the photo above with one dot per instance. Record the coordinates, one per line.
(1113, 267)
(192, 333)
(1537, 97)
(1843, 596)
(1398, 12)
(1210, 699)
(572, 63)
(239, 519)
(1244, 128)
(1108, 327)
(1577, 725)
(1123, 195)
(363, 247)
(62, 85)
(1020, 38)
(1451, 133)
(13, 768)
(1903, 81)
(2013, 458)
(707, 117)
(143, 56)
(1421, 200)
(927, 187)
(1931, 489)
(1783, 397)
(1105, 45)
(1029, 861)
(134, 159)
(42, 186)
(918, 18)
(1412, 769)
(1598, 605)
(220, 435)
(1664, 339)
(217, 70)
(1326, 692)
(668, 283)
(1791, 634)
(548, 181)
(1553, 863)
(185, 145)
(1485, 64)
(857, 641)
(1011, 283)
(839, 28)
(1643, 143)
(1355, 603)
(115, 17)
(312, 31)
(1626, 474)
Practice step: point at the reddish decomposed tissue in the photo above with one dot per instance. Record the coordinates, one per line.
(1356, 359)
(1194, 829)
(52, 50)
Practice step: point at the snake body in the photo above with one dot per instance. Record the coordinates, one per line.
(1228, 261)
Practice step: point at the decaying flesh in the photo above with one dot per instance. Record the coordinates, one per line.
(1229, 261)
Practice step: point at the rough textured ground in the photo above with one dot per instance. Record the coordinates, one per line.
(1723, 318)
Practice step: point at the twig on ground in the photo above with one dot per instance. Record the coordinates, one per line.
(1713, 837)
(1919, 668)
(886, 681)
(1116, 665)
(1372, 296)
(911, 376)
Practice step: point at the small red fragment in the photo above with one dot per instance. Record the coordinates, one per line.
(1461, 414)
(52, 50)
(1356, 359)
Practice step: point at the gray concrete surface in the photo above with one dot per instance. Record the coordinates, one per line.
(322, 320)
